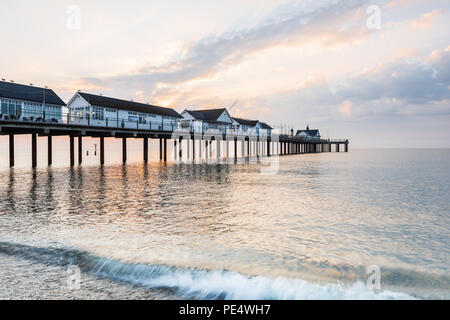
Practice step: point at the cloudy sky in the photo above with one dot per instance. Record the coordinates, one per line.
(376, 72)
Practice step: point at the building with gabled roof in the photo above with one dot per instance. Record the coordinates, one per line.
(29, 103)
(308, 134)
(203, 120)
(98, 110)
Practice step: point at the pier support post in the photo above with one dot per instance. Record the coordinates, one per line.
(337, 147)
(248, 147)
(180, 146)
(193, 150)
(210, 148)
(258, 147)
(72, 151)
(160, 149)
(346, 147)
(175, 149)
(124, 150)
(49, 150)
(206, 149)
(218, 150)
(33, 150)
(165, 150)
(145, 149)
(102, 150)
(188, 148)
(235, 149)
(11, 150)
(200, 148)
(80, 149)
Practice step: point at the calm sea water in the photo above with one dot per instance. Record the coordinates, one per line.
(228, 231)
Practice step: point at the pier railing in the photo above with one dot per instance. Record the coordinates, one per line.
(31, 117)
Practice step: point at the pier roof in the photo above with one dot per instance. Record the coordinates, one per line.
(207, 115)
(245, 122)
(313, 132)
(108, 102)
(29, 93)
(266, 126)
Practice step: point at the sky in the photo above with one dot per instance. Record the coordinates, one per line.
(376, 72)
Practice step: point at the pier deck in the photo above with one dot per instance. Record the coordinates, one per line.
(265, 145)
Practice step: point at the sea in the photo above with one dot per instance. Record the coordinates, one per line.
(367, 224)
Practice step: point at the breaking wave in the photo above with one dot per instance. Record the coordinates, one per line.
(196, 283)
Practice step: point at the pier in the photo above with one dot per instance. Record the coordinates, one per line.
(39, 112)
(251, 145)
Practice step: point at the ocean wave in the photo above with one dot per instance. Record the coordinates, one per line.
(197, 283)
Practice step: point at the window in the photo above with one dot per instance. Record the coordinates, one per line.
(12, 108)
(4, 106)
(97, 113)
(18, 109)
(142, 118)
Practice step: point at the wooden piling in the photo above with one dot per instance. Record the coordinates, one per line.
(235, 148)
(102, 150)
(218, 150)
(80, 149)
(11, 150)
(175, 149)
(165, 150)
(124, 150)
(33, 150)
(72, 151)
(145, 149)
(50, 150)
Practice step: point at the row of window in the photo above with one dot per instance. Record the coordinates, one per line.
(20, 108)
(98, 113)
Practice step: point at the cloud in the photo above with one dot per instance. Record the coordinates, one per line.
(345, 108)
(401, 87)
(327, 22)
(425, 21)
(410, 82)
(404, 3)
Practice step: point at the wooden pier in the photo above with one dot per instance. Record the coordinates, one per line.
(256, 146)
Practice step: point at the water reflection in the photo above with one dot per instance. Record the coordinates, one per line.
(321, 216)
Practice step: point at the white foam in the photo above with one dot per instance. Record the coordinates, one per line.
(203, 284)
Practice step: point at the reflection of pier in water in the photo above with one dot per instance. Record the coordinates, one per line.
(183, 141)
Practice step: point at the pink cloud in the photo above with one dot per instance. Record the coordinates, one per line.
(425, 21)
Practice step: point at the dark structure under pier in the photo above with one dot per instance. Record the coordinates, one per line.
(262, 146)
